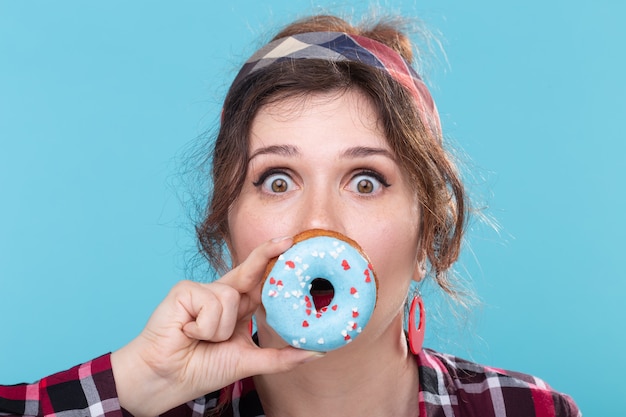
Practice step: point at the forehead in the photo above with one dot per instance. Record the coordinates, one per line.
(336, 115)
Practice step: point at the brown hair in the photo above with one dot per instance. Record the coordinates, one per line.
(420, 152)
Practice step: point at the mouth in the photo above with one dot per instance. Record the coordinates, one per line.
(322, 292)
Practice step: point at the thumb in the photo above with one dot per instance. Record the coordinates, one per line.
(270, 361)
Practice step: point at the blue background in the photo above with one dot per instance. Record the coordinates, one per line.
(101, 101)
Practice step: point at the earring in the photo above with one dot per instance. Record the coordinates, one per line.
(416, 333)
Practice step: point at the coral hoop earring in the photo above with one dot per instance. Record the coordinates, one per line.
(416, 332)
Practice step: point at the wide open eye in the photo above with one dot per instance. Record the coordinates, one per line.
(275, 182)
(367, 182)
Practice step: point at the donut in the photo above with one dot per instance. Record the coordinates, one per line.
(321, 292)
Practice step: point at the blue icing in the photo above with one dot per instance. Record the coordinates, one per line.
(288, 303)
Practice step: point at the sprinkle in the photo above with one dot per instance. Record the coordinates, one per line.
(320, 341)
(345, 265)
(290, 264)
(305, 323)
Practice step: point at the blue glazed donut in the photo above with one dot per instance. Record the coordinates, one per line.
(292, 301)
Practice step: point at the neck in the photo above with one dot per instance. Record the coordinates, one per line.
(377, 376)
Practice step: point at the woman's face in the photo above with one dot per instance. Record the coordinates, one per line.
(323, 162)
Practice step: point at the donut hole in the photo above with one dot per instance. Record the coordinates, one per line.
(322, 292)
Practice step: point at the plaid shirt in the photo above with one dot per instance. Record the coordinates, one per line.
(449, 386)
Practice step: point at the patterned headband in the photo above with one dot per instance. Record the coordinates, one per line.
(337, 47)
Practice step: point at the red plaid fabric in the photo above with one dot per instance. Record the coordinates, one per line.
(449, 387)
(85, 390)
(453, 387)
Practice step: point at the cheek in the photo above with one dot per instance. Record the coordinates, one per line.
(392, 248)
(249, 227)
(241, 235)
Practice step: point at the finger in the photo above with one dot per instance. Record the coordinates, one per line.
(229, 301)
(270, 361)
(214, 310)
(249, 273)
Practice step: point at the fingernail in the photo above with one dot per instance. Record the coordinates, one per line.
(280, 239)
(313, 355)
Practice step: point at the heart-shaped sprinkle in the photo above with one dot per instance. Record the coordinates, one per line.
(345, 265)
(290, 264)
(305, 323)
(353, 291)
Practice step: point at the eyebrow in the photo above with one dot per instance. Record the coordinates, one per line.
(350, 153)
(283, 150)
(364, 151)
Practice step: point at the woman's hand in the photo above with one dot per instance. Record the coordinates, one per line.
(197, 341)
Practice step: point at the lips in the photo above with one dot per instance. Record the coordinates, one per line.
(322, 298)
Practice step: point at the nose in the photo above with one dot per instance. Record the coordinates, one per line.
(322, 209)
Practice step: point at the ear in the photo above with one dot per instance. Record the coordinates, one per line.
(419, 272)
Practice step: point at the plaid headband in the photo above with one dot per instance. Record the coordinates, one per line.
(337, 47)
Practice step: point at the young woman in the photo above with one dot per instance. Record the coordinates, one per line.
(327, 127)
